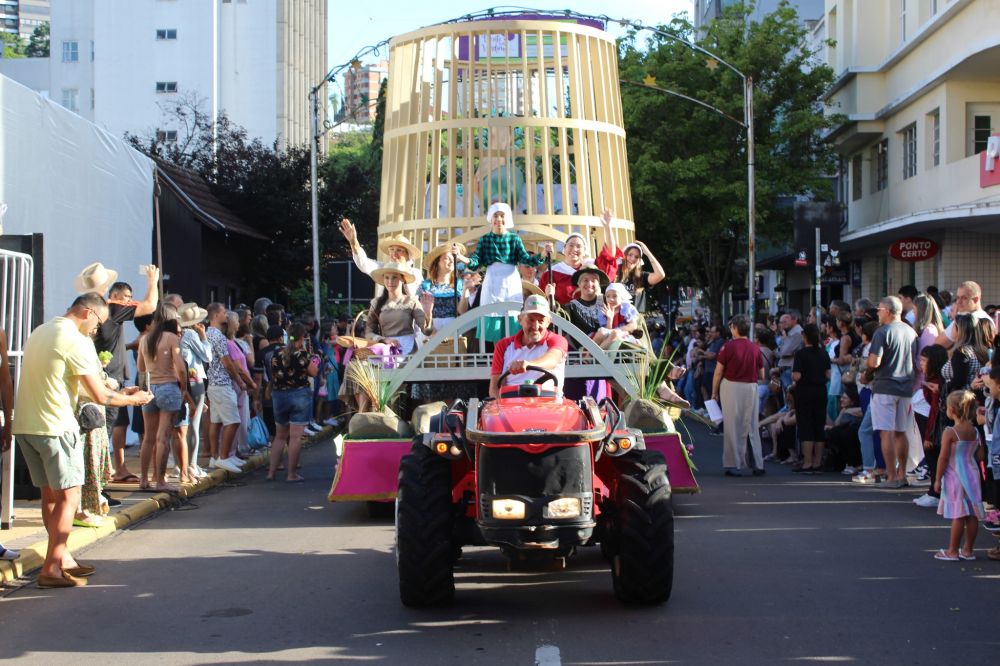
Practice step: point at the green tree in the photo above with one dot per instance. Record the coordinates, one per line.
(688, 163)
(38, 44)
(13, 45)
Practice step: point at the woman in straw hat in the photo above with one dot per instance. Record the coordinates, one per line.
(400, 251)
(442, 284)
(196, 351)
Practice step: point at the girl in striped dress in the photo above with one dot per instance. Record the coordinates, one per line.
(957, 478)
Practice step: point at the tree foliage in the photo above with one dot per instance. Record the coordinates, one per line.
(269, 189)
(688, 163)
(38, 43)
(13, 45)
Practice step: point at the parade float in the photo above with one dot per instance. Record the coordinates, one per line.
(524, 110)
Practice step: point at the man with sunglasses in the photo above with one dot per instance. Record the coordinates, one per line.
(59, 361)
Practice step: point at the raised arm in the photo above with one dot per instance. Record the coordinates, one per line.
(148, 304)
(610, 244)
(365, 264)
(657, 275)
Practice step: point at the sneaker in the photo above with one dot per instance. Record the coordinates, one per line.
(228, 465)
(8, 554)
(213, 463)
(850, 471)
(992, 522)
(236, 460)
(926, 501)
(333, 423)
(864, 476)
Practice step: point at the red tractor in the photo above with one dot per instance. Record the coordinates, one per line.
(539, 476)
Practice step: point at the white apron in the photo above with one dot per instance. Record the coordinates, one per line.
(502, 284)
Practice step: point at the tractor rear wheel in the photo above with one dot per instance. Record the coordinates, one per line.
(425, 552)
(642, 567)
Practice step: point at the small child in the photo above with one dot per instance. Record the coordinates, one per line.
(618, 318)
(957, 477)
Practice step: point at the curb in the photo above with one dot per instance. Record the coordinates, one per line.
(32, 557)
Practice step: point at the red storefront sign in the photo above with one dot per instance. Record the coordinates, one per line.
(913, 249)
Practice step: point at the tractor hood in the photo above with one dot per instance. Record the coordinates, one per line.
(532, 415)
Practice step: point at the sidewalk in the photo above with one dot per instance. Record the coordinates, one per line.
(27, 534)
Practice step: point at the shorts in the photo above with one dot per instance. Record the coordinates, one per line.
(166, 398)
(197, 393)
(54, 461)
(891, 413)
(293, 407)
(116, 417)
(222, 405)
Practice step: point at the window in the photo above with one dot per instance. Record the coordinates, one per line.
(91, 99)
(71, 52)
(166, 136)
(902, 20)
(936, 137)
(909, 151)
(166, 86)
(982, 127)
(880, 165)
(856, 162)
(70, 99)
(166, 34)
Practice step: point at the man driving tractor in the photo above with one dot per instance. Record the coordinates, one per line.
(533, 345)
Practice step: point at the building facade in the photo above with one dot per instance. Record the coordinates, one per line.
(125, 64)
(361, 88)
(706, 11)
(919, 89)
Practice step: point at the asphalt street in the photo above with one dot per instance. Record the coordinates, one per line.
(769, 569)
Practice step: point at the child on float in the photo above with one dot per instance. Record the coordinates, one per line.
(501, 251)
(957, 478)
(618, 318)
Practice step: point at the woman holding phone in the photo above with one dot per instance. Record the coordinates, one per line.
(292, 370)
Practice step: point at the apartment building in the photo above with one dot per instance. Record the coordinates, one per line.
(121, 63)
(919, 89)
(361, 86)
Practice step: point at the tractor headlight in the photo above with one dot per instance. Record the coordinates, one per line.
(508, 509)
(564, 507)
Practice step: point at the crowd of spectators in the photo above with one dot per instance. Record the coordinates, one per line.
(897, 393)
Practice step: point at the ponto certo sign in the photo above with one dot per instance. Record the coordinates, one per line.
(913, 249)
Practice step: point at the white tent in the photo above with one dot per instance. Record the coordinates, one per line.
(87, 192)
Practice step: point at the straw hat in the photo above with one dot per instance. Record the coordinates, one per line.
(385, 243)
(433, 254)
(190, 314)
(390, 267)
(95, 278)
(529, 288)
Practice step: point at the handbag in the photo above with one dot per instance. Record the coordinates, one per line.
(90, 417)
(257, 434)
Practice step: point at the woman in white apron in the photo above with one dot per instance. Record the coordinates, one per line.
(500, 251)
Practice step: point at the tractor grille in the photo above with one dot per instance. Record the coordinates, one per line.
(506, 471)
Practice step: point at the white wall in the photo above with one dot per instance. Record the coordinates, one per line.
(130, 61)
(248, 72)
(87, 193)
(72, 21)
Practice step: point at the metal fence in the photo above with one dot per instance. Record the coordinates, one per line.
(16, 271)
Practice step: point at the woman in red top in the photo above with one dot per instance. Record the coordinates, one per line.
(739, 366)
(576, 253)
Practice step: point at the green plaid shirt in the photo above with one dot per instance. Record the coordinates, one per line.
(503, 249)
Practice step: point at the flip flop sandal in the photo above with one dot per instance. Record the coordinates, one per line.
(968, 558)
(944, 556)
(131, 478)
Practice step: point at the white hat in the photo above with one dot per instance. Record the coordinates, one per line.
(582, 240)
(619, 288)
(630, 246)
(190, 314)
(508, 214)
(535, 304)
(95, 278)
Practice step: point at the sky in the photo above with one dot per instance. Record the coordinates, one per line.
(355, 25)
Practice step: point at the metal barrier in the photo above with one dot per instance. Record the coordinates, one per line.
(16, 281)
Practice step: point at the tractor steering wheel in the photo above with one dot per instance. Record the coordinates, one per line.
(546, 375)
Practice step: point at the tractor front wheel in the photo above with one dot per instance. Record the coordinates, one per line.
(425, 552)
(642, 547)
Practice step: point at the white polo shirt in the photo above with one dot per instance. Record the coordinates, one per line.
(512, 349)
(976, 314)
